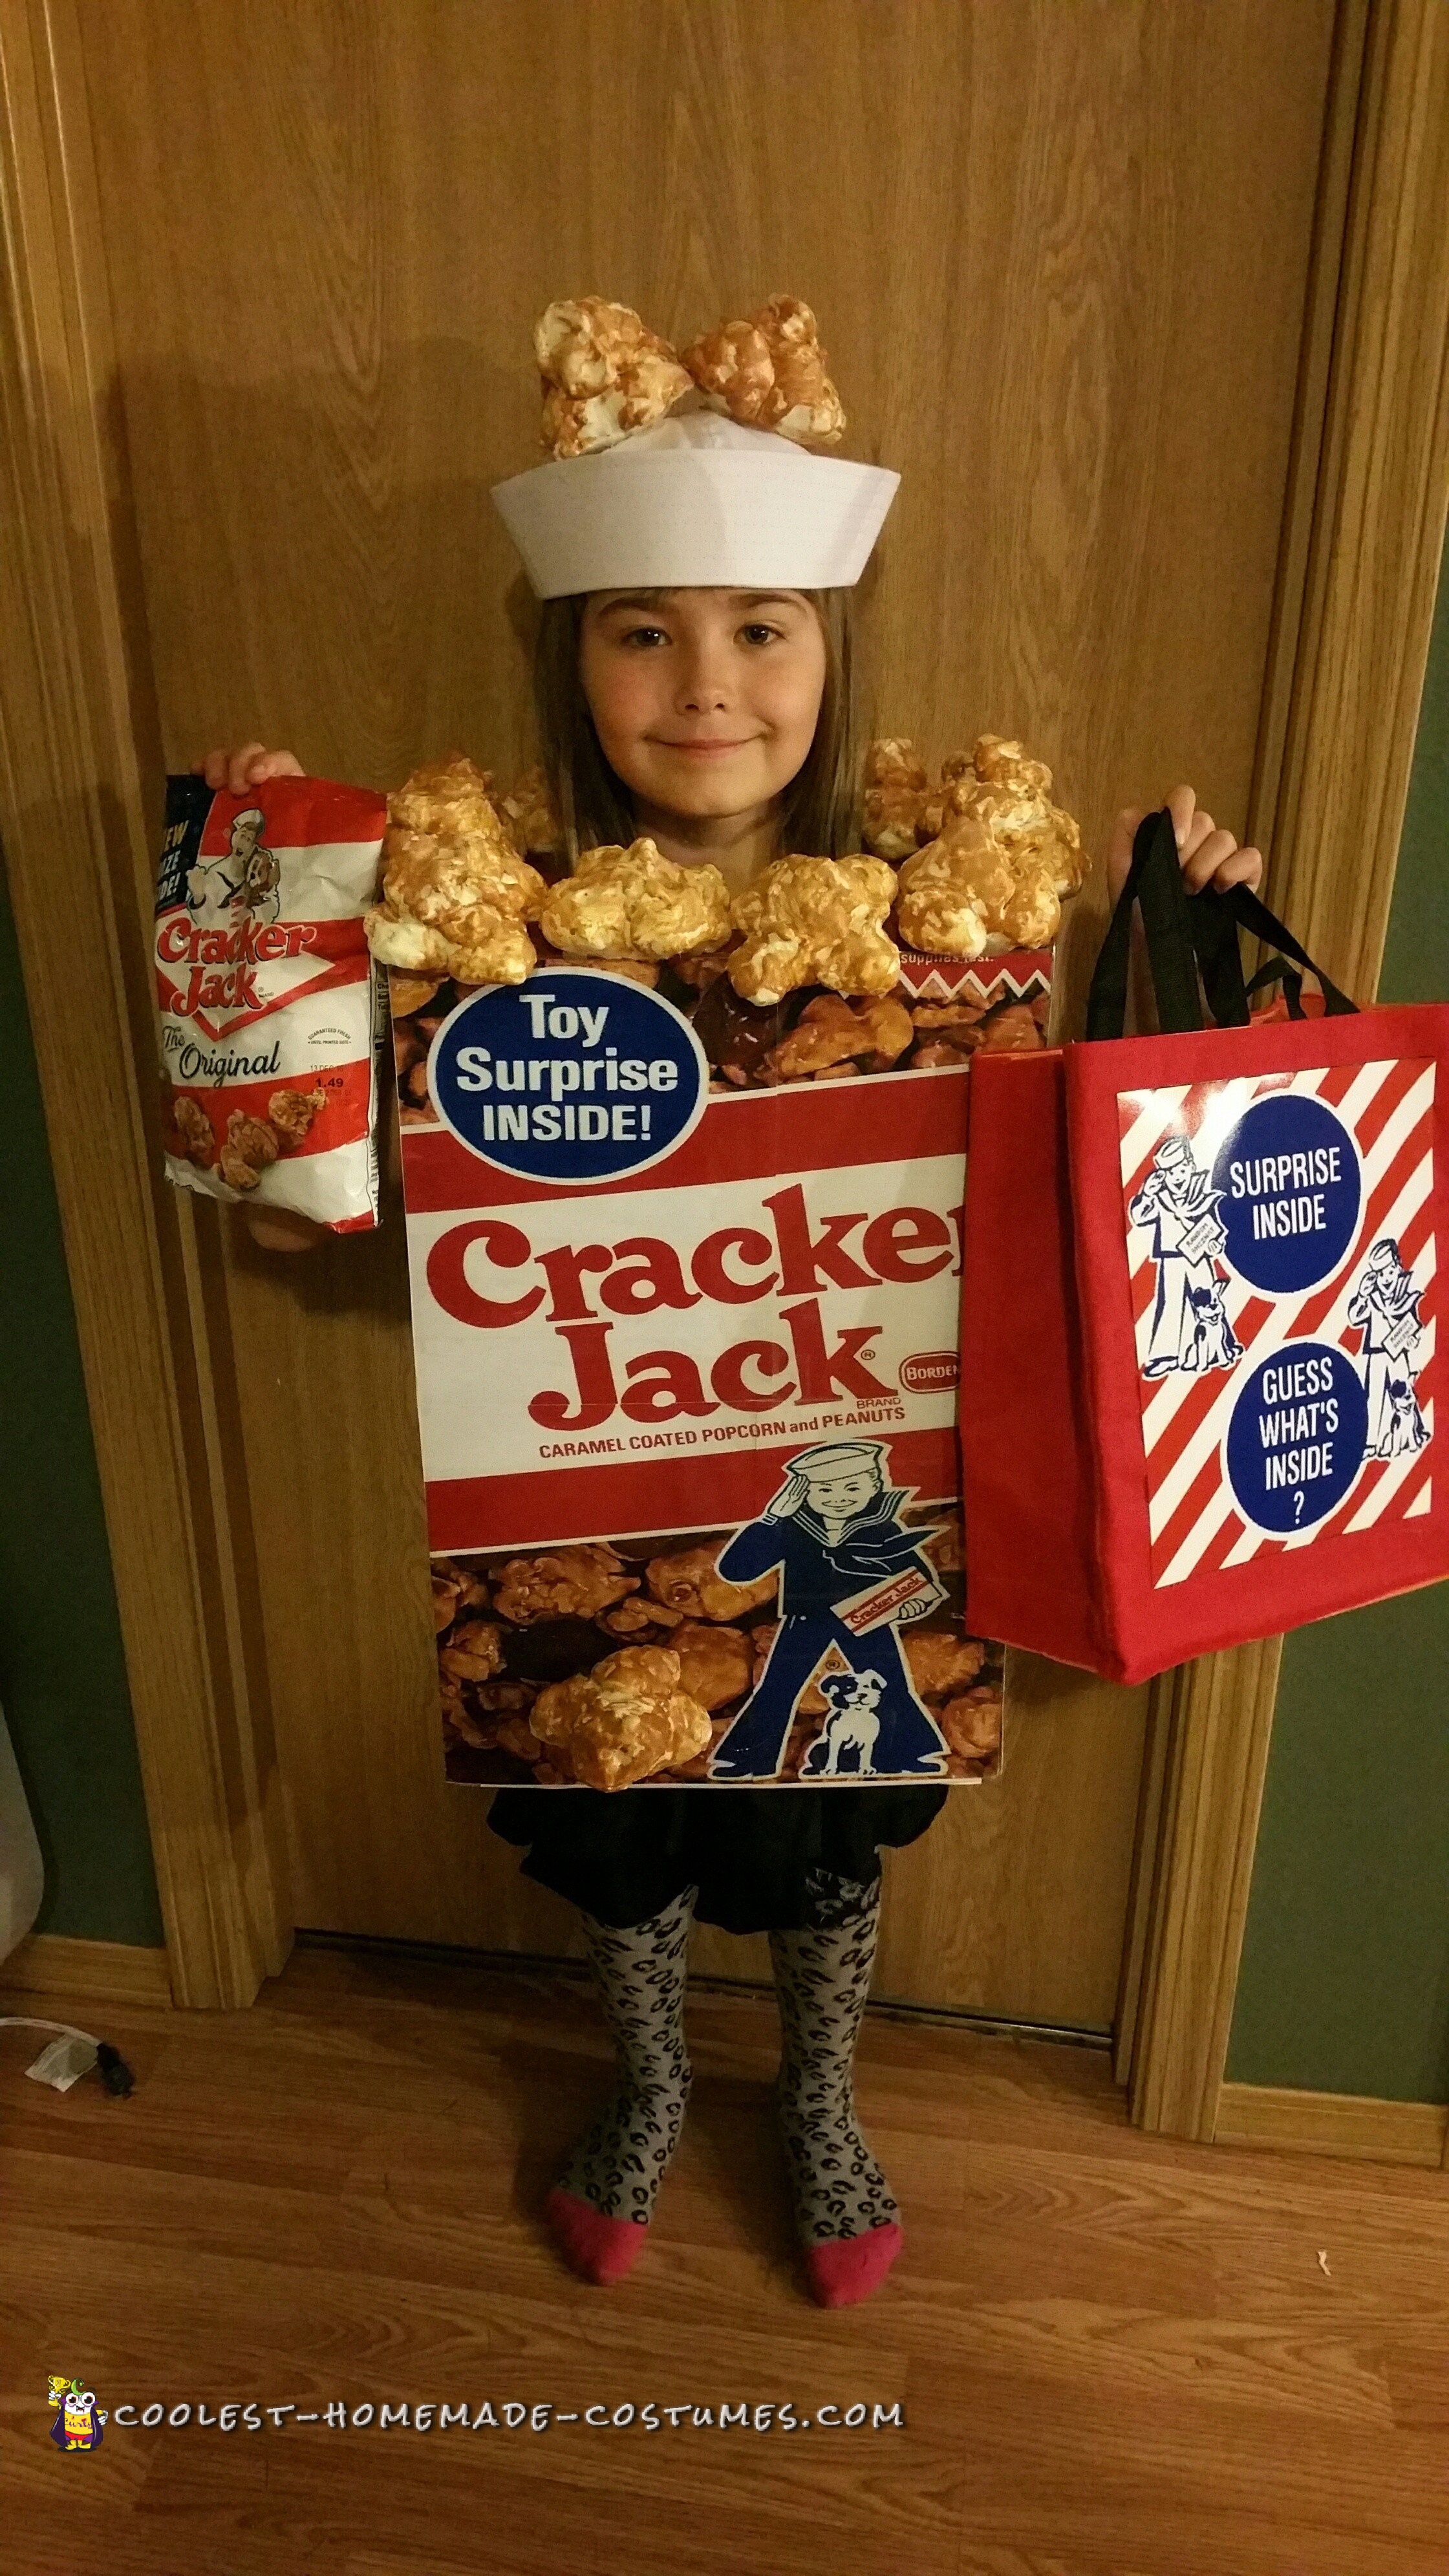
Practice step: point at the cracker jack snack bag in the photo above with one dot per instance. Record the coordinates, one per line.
(271, 1009)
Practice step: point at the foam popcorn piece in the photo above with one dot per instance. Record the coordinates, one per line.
(815, 921)
(954, 893)
(1011, 794)
(1001, 858)
(635, 903)
(456, 893)
(528, 816)
(896, 791)
(770, 373)
(604, 373)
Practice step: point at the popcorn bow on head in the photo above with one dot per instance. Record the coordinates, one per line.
(606, 374)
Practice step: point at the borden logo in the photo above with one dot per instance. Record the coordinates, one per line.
(927, 1371)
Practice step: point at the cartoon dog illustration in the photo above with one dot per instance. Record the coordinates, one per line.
(852, 1726)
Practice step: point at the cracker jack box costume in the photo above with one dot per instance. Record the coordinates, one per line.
(1224, 1331)
(686, 1355)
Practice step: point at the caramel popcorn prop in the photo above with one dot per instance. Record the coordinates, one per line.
(770, 372)
(635, 903)
(604, 374)
(956, 892)
(896, 791)
(985, 857)
(456, 893)
(269, 1008)
(815, 921)
(529, 818)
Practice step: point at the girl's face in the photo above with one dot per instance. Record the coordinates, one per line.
(705, 701)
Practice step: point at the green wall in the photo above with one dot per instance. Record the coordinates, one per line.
(1345, 1980)
(62, 1674)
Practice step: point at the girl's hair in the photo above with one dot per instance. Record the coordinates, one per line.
(819, 812)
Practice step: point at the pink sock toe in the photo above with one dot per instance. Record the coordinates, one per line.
(600, 2249)
(846, 2269)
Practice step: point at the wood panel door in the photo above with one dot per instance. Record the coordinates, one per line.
(1061, 259)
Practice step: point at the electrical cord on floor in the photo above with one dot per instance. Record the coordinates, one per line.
(71, 2055)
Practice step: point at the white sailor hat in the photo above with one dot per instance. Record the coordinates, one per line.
(829, 1460)
(697, 502)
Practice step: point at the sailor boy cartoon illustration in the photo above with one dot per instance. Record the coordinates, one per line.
(1385, 1307)
(849, 1571)
(1177, 1206)
(244, 879)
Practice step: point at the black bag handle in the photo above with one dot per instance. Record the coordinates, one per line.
(1187, 937)
(1278, 971)
(1250, 914)
(1154, 881)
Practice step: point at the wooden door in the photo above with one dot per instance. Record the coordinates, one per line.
(1060, 255)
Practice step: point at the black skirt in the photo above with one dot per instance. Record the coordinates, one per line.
(752, 1853)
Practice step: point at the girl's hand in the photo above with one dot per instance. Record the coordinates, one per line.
(1206, 855)
(252, 766)
(283, 1230)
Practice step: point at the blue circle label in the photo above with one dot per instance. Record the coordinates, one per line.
(1291, 1190)
(1297, 1437)
(575, 1076)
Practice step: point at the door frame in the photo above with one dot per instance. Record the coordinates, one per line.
(1358, 570)
(1359, 560)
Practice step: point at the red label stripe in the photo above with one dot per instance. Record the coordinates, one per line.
(686, 1492)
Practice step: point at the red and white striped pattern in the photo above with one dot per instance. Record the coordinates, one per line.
(1388, 1107)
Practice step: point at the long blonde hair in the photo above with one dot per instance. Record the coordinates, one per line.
(819, 811)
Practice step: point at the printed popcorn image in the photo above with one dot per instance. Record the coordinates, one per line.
(1281, 1257)
(685, 1324)
(697, 1676)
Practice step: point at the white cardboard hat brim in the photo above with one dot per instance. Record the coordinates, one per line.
(674, 517)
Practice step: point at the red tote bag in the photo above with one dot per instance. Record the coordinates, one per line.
(1200, 1381)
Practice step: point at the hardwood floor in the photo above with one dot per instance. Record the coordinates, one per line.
(1114, 2356)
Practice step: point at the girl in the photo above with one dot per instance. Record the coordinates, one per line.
(694, 684)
